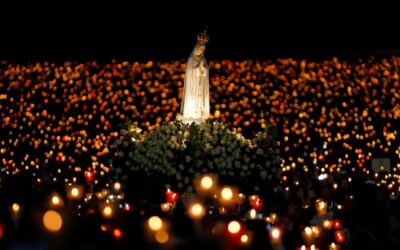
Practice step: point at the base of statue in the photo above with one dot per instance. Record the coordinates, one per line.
(188, 120)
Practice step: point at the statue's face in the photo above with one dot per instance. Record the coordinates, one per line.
(200, 50)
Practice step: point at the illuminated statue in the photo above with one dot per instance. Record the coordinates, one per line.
(196, 98)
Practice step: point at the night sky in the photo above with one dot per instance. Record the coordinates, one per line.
(153, 30)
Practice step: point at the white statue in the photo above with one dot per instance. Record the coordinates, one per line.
(196, 98)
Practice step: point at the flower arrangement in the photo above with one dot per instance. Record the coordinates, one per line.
(175, 153)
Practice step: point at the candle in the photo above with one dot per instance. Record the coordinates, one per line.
(256, 203)
(252, 214)
(205, 185)
(337, 224)
(340, 237)
(333, 246)
(165, 207)
(89, 176)
(171, 196)
(197, 211)
(275, 235)
(321, 207)
(241, 198)
(308, 235)
(327, 224)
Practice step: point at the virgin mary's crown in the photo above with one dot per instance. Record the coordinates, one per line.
(202, 38)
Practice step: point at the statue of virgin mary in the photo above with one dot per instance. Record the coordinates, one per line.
(196, 98)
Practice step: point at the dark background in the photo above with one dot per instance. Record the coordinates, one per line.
(67, 30)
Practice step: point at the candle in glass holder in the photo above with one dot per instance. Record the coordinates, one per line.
(171, 196)
(333, 246)
(205, 185)
(197, 211)
(275, 235)
(252, 198)
(327, 224)
(308, 235)
(257, 204)
(165, 207)
(241, 198)
(337, 224)
(340, 237)
(253, 214)
(321, 207)
(315, 231)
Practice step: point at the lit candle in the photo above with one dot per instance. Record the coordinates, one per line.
(340, 237)
(303, 247)
(275, 235)
(321, 207)
(337, 224)
(308, 235)
(315, 231)
(234, 227)
(89, 176)
(107, 211)
(16, 208)
(165, 207)
(252, 198)
(257, 204)
(333, 246)
(241, 198)
(197, 211)
(327, 224)
(171, 196)
(252, 214)
(155, 223)
(205, 185)
(226, 194)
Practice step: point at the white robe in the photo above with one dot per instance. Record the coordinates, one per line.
(196, 98)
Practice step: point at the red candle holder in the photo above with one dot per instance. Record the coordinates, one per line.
(89, 176)
(171, 196)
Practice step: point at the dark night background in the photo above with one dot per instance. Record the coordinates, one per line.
(167, 30)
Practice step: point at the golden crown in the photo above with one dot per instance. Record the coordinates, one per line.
(202, 38)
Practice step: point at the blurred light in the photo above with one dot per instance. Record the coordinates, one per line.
(1, 231)
(155, 223)
(321, 207)
(15, 207)
(234, 227)
(333, 246)
(337, 224)
(275, 234)
(308, 231)
(244, 239)
(241, 198)
(206, 182)
(322, 177)
(327, 224)
(117, 186)
(117, 233)
(165, 207)
(253, 214)
(75, 193)
(107, 211)
(52, 221)
(226, 194)
(55, 200)
(162, 237)
(197, 211)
